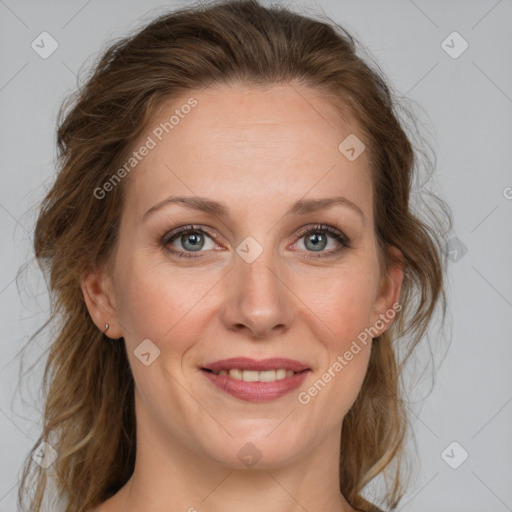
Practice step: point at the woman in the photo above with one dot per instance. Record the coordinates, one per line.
(233, 257)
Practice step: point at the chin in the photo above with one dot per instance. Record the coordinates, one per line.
(266, 450)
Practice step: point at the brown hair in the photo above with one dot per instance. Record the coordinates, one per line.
(89, 407)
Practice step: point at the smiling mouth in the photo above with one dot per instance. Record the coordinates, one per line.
(254, 375)
(256, 380)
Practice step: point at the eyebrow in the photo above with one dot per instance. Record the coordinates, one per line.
(300, 207)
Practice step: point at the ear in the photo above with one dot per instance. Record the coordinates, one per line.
(387, 301)
(97, 290)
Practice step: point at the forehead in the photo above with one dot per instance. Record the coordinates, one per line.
(246, 144)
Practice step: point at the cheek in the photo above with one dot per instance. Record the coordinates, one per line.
(340, 310)
(342, 303)
(341, 316)
(155, 302)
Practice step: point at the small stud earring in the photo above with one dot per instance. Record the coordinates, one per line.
(106, 328)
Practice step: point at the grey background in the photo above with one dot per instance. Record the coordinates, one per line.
(467, 107)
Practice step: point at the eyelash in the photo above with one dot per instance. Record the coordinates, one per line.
(319, 228)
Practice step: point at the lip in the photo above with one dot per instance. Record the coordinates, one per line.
(246, 363)
(256, 391)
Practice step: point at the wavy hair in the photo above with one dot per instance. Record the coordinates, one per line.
(88, 415)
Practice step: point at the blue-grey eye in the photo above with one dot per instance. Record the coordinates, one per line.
(187, 240)
(315, 241)
(192, 241)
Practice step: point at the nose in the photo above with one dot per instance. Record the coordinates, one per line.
(258, 299)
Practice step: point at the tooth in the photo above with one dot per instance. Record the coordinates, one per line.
(267, 376)
(257, 376)
(250, 376)
(235, 374)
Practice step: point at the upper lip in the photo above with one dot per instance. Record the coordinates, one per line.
(245, 363)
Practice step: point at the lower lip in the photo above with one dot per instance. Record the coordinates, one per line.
(256, 391)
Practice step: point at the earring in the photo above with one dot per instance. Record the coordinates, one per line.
(106, 328)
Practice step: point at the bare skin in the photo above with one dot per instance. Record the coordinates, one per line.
(257, 151)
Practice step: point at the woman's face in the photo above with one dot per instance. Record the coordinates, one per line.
(250, 282)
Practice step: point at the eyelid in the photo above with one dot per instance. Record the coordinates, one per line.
(173, 233)
(343, 240)
(335, 232)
